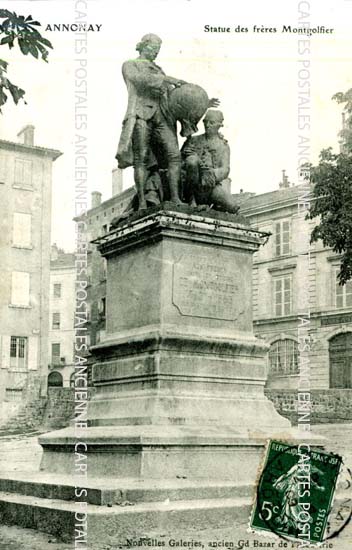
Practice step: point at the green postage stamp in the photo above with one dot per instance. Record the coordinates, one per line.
(295, 492)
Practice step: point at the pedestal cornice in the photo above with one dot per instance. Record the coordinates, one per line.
(230, 231)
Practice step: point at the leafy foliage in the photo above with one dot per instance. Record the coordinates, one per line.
(346, 132)
(332, 191)
(5, 84)
(23, 32)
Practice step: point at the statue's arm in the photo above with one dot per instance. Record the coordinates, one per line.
(221, 172)
(138, 73)
(141, 77)
(188, 148)
(174, 81)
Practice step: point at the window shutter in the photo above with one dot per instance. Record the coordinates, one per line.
(56, 320)
(278, 239)
(18, 171)
(27, 172)
(2, 168)
(23, 172)
(20, 288)
(57, 290)
(21, 229)
(5, 351)
(33, 353)
(55, 353)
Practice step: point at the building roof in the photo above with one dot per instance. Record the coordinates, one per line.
(44, 151)
(127, 193)
(277, 198)
(60, 258)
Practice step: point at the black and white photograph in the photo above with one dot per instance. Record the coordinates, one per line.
(175, 274)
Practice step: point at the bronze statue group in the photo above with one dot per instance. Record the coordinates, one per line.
(198, 174)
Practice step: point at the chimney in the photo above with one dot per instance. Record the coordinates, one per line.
(54, 252)
(96, 199)
(284, 183)
(26, 135)
(117, 181)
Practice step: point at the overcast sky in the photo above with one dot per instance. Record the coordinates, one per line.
(255, 75)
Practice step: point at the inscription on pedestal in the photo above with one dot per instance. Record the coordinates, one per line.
(203, 288)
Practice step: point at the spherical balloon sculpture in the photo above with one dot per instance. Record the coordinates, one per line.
(189, 103)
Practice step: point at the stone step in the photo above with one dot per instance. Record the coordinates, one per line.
(106, 491)
(115, 524)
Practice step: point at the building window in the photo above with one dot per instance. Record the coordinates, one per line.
(18, 353)
(99, 336)
(57, 290)
(23, 172)
(283, 295)
(340, 361)
(2, 168)
(56, 321)
(55, 354)
(20, 288)
(282, 238)
(89, 310)
(14, 394)
(89, 274)
(343, 293)
(102, 307)
(21, 229)
(103, 269)
(283, 357)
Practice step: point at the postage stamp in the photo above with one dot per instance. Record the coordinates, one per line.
(295, 492)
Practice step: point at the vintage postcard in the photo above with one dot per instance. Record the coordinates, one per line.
(176, 274)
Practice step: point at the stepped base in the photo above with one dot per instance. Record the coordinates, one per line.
(106, 491)
(118, 510)
(161, 452)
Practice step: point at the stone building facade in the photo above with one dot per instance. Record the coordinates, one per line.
(98, 220)
(25, 224)
(295, 280)
(61, 318)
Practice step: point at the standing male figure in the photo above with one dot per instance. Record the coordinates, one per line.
(148, 127)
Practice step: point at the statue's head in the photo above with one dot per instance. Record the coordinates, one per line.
(213, 121)
(149, 46)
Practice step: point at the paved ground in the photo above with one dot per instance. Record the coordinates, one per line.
(237, 538)
(21, 452)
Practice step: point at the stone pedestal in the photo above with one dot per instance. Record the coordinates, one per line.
(179, 377)
(179, 420)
